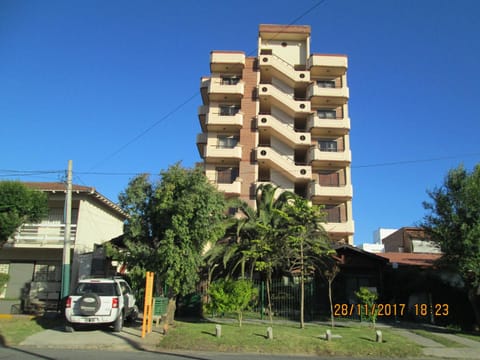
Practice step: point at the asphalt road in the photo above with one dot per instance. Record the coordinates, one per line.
(26, 353)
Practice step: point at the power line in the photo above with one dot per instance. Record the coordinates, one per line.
(374, 165)
(404, 162)
(181, 105)
(163, 118)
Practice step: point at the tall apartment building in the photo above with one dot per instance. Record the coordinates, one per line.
(280, 117)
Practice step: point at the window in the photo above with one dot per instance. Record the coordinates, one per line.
(227, 142)
(229, 110)
(226, 175)
(329, 178)
(327, 145)
(326, 113)
(47, 272)
(333, 213)
(326, 83)
(232, 80)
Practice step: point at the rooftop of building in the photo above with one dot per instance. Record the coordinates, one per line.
(54, 187)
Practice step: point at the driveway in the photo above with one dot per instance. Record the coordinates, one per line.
(130, 338)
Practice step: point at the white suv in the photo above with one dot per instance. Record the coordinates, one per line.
(100, 301)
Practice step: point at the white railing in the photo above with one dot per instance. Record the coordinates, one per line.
(45, 234)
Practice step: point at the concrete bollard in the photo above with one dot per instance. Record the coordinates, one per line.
(328, 335)
(218, 331)
(269, 333)
(379, 337)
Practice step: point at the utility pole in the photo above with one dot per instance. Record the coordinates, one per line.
(66, 241)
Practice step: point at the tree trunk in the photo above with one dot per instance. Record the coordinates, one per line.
(302, 289)
(240, 316)
(268, 298)
(474, 300)
(331, 303)
(172, 306)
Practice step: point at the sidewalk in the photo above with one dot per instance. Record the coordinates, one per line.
(467, 349)
(130, 338)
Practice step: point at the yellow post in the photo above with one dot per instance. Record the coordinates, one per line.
(147, 307)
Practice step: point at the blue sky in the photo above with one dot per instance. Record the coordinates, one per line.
(114, 86)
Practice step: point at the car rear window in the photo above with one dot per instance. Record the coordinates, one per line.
(101, 289)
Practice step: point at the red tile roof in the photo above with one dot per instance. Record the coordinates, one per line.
(62, 187)
(416, 259)
(58, 186)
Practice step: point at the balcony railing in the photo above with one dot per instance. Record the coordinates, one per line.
(42, 234)
(315, 155)
(320, 94)
(286, 102)
(284, 67)
(336, 126)
(284, 130)
(340, 193)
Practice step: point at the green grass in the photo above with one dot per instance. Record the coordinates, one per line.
(288, 339)
(15, 329)
(437, 338)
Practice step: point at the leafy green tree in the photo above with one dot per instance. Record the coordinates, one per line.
(19, 205)
(232, 253)
(453, 221)
(307, 243)
(231, 296)
(170, 224)
(269, 235)
(368, 299)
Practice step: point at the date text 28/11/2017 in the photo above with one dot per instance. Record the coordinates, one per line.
(341, 310)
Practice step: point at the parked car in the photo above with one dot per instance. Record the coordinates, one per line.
(100, 301)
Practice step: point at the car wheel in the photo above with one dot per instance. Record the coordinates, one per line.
(69, 327)
(133, 314)
(118, 324)
(89, 304)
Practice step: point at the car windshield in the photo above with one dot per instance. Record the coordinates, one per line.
(101, 289)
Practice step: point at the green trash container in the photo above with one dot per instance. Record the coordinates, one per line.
(160, 305)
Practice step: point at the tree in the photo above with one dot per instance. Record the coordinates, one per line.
(170, 224)
(269, 234)
(19, 205)
(368, 309)
(307, 242)
(329, 270)
(231, 296)
(453, 221)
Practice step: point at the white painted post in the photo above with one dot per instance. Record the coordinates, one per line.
(379, 337)
(218, 331)
(269, 333)
(328, 335)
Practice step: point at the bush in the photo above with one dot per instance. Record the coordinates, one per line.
(3, 281)
(231, 296)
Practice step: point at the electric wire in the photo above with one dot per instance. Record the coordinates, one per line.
(185, 102)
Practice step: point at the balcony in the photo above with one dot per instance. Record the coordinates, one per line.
(342, 228)
(320, 95)
(328, 158)
(41, 235)
(286, 132)
(328, 126)
(284, 101)
(317, 192)
(201, 144)
(217, 89)
(215, 120)
(327, 65)
(227, 62)
(234, 188)
(276, 66)
(214, 152)
(287, 166)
